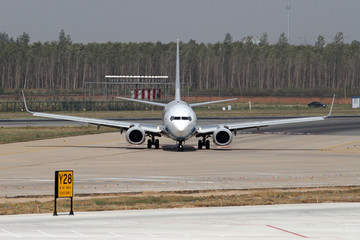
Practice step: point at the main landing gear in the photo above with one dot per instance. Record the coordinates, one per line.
(204, 142)
(154, 142)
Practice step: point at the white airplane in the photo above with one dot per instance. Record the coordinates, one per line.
(179, 122)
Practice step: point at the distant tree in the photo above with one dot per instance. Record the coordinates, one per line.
(228, 38)
(4, 38)
(264, 39)
(355, 43)
(339, 38)
(248, 39)
(63, 38)
(282, 39)
(320, 41)
(23, 39)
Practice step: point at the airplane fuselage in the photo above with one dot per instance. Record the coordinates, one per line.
(179, 120)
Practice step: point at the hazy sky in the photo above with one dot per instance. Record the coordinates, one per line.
(166, 20)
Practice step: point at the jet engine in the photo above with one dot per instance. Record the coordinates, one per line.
(135, 135)
(222, 136)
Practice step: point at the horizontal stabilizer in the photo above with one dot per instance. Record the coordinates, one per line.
(211, 102)
(143, 101)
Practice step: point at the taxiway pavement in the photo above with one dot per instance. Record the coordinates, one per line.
(106, 163)
(307, 221)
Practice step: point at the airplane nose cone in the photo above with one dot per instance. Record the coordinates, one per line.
(182, 128)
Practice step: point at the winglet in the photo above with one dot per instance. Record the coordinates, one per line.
(331, 108)
(26, 108)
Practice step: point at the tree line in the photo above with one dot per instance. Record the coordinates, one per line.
(236, 67)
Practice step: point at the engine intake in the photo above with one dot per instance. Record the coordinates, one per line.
(135, 135)
(222, 136)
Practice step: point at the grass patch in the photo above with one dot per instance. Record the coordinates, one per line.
(185, 199)
(23, 134)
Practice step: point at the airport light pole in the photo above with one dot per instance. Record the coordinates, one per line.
(288, 6)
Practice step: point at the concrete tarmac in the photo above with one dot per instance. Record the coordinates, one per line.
(310, 221)
(106, 163)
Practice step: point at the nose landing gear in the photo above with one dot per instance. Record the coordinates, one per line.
(180, 146)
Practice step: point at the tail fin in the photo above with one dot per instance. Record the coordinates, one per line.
(177, 83)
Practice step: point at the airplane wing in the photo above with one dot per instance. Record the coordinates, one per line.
(148, 128)
(247, 125)
(210, 129)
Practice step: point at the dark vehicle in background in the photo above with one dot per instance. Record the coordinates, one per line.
(317, 104)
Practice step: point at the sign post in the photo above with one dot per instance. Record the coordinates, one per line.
(64, 187)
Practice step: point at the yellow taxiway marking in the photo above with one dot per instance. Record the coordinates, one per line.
(349, 147)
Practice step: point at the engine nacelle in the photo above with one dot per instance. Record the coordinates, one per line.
(222, 136)
(135, 135)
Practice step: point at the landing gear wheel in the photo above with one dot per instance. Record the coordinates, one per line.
(157, 144)
(149, 143)
(200, 144)
(207, 144)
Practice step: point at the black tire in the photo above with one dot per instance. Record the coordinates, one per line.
(157, 144)
(200, 144)
(149, 143)
(207, 144)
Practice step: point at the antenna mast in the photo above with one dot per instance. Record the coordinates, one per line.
(288, 6)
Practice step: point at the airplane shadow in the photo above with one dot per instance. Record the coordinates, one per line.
(173, 148)
(187, 148)
(264, 149)
(92, 147)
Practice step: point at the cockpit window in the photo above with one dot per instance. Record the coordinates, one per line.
(180, 118)
(174, 118)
